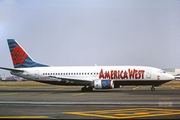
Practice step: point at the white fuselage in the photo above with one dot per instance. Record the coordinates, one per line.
(91, 73)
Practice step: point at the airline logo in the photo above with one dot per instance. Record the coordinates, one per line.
(18, 55)
(122, 74)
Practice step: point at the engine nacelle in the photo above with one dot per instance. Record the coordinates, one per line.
(103, 84)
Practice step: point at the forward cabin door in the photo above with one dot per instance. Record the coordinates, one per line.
(36, 74)
(148, 73)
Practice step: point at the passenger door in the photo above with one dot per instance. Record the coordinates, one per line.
(148, 73)
(36, 74)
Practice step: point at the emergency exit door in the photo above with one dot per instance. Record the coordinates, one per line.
(36, 74)
(148, 73)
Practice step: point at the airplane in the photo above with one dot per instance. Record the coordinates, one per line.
(90, 77)
(177, 77)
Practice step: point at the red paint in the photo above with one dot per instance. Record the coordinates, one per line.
(18, 55)
(111, 75)
(125, 75)
(115, 74)
(122, 74)
(131, 73)
(142, 73)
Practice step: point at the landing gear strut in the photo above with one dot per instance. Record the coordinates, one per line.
(152, 88)
(87, 89)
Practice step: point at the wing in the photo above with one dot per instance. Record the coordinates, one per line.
(73, 80)
(63, 79)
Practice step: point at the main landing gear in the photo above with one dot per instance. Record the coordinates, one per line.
(87, 89)
(152, 88)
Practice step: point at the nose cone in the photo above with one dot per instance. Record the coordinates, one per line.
(170, 77)
(167, 76)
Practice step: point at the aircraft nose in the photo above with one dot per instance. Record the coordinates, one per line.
(171, 77)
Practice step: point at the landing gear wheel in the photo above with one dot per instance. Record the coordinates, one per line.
(90, 89)
(85, 89)
(152, 88)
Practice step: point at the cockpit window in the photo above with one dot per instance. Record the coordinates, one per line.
(162, 71)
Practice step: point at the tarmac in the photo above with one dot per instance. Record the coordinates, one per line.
(33, 100)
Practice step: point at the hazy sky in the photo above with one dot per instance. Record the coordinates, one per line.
(88, 32)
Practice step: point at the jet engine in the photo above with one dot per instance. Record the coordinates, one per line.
(103, 84)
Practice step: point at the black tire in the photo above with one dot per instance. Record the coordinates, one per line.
(152, 89)
(90, 89)
(83, 89)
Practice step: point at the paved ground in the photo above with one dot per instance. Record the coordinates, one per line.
(37, 100)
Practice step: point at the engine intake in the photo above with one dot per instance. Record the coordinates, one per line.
(103, 84)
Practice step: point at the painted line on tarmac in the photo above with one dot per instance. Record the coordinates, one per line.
(79, 94)
(23, 88)
(127, 113)
(165, 99)
(135, 88)
(172, 87)
(58, 88)
(22, 117)
(44, 94)
(8, 94)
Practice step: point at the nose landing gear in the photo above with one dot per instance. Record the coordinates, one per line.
(152, 88)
